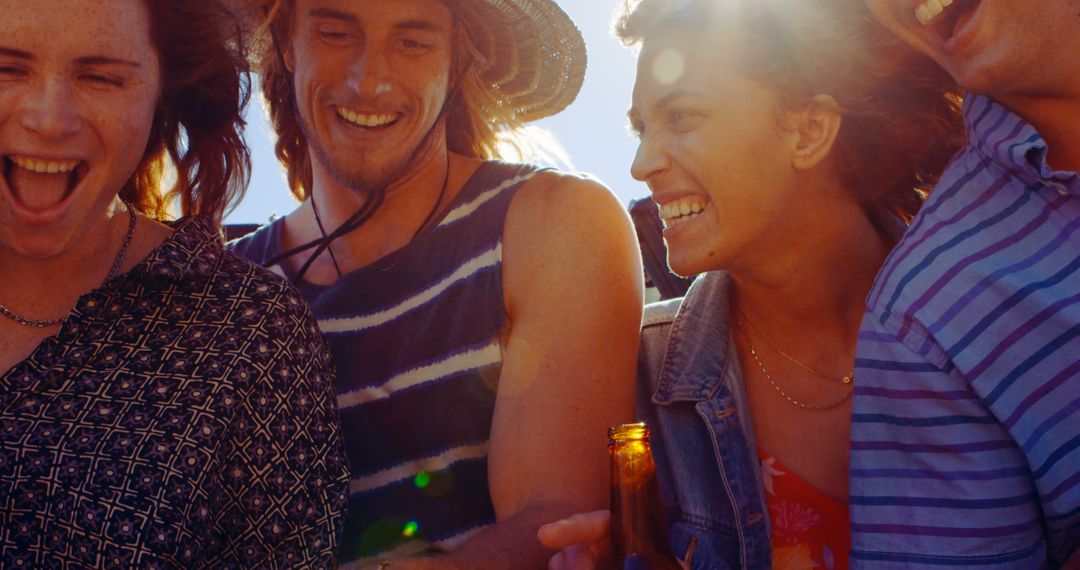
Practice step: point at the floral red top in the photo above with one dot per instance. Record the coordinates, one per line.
(809, 528)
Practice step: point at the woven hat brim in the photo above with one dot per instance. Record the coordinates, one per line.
(536, 56)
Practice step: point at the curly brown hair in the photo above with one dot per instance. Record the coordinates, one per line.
(901, 113)
(477, 123)
(197, 132)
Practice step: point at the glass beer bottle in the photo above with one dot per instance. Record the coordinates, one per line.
(638, 529)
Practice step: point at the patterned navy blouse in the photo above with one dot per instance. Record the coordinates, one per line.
(183, 416)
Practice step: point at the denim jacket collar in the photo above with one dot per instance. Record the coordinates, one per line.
(698, 350)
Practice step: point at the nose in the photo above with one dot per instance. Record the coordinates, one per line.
(651, 159)
(50, 111)
(369, 74)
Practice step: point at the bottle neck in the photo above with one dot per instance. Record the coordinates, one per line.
(638, 527)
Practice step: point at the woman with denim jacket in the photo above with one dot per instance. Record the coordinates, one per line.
(785, 144)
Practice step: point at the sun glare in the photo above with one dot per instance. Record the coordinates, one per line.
(668, 66)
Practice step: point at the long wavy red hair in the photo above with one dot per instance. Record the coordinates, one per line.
(197, 132)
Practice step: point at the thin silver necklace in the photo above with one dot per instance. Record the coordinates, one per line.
(112, 273)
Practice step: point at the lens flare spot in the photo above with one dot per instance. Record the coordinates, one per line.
(422, 480)
(410, 529)
(668, 66)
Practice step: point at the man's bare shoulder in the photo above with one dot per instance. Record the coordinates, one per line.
(573, 197)
(567, 232)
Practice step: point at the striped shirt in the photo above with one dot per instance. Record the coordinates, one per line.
(965, 444)
(416, 341)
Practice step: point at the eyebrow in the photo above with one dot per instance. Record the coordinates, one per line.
(332, 14)
(19, 54)
(666, 100)
(419, 25)
(87, 60)
(105, 60)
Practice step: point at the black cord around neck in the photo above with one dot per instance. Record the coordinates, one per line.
(322, 231)
(357, 219)
(438, 201)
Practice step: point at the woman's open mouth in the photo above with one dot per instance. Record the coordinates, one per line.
(38, 184)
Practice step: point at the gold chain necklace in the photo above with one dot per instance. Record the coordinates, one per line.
(845, 379)
(26, 322)
(753, 352)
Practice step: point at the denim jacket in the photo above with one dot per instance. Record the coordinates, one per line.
(690, 391)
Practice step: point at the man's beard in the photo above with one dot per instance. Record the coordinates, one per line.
(366, 178)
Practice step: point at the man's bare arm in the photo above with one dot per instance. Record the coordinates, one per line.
(573, 291)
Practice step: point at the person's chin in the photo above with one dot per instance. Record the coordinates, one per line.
(687, 264)
(981, 75)
(39, 246)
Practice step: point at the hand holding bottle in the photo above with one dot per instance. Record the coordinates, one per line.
(633, 535)
(583, 541)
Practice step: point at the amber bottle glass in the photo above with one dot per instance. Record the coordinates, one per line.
(638, 529)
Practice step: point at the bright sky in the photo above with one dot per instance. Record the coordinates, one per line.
(592, 130)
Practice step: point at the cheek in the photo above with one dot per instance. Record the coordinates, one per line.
(127, 133)
(431, 79)
(885, 12)
(725, 160)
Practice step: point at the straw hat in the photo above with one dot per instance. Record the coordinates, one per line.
(534, 54)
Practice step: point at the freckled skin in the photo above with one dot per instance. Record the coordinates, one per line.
(58, 105)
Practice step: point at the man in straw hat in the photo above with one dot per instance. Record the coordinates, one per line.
(483, 315)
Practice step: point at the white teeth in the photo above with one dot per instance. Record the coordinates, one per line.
(44, 166)
(922, 14)
(365, 120)
(669, 223)
(682, 210)
(928, 10)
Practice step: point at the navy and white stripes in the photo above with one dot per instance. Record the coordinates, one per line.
(966, 418)
(416, 339)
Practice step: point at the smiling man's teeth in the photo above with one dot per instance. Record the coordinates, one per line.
(927, 11)
(682, 210)
(365, 120)
(45, 166)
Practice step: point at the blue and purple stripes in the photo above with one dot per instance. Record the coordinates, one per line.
(966, 418)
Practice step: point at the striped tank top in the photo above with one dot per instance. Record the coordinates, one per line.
(416, 341)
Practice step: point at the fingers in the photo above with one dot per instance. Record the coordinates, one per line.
(576, 557)
(583, 529)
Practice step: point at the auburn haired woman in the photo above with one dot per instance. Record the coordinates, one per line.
(162, 403)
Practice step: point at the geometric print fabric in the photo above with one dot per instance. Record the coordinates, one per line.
(183, 416)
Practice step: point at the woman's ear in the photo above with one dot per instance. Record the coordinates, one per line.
(287, 58)
(812, 131)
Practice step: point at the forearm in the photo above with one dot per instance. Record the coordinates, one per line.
(510, 543)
